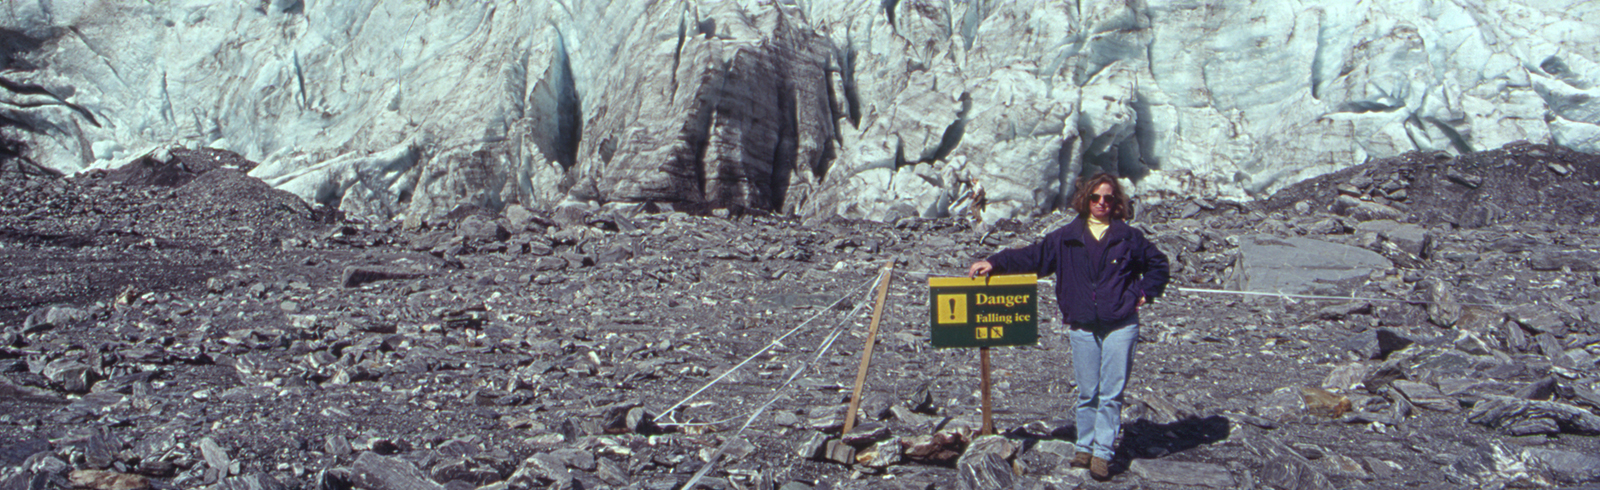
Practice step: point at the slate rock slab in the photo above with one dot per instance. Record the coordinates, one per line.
(377, 472)
(1297, 265)
(1554, 260)
(1566, 466)
(1413, 239)
(1518, 417)
(1185, 473)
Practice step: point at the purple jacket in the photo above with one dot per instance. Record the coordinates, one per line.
(1131, 267)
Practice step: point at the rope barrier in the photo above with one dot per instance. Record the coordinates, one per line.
(769, 346)
(822, 348)
(837, 331)
(1258, 293)
(1338, 298)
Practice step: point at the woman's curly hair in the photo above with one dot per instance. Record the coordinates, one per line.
(1119, 205)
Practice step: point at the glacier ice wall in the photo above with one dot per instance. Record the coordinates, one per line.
(863, 109)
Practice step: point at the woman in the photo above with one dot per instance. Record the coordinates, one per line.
(1105, 270)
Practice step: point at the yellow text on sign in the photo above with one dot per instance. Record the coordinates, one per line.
(952, 308)
(988, 333)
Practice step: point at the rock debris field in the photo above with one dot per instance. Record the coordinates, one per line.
(178, 324)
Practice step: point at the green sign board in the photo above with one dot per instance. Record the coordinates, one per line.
(984, 311)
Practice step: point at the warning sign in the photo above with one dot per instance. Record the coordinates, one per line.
(984, 312)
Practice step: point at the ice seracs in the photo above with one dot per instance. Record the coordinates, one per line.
(877, 110)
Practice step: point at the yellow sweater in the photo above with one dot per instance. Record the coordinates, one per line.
(1098, 228)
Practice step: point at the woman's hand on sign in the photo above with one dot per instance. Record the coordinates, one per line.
(979, 268)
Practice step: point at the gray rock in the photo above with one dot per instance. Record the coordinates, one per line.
(1516, 337)
(1365, 210)
(69, 375)
(255, 481)
(1301, 265)
(1549, 345)
(1184, 473)
(1471, 181)
(1344, 310)
(1376, 344)
(1283, 404)
(377, 472)
(1413, 239)
(839, 452)
(1282, 467)
(984, 470)
(519, 218)
(1574, 260)
(866, 434)
(1539, 318)
(1566, 466)
(1426, 396)
(1063, 449)
(1517, 417)
(884, 454)
(15, 454)
(814, 446)
(215, 456)
(479, 229)
(1444, 310)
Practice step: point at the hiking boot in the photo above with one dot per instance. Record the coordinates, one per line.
(1099, 469)
(1081, 460)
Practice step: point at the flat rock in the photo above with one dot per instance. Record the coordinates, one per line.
(1412, 238)
(1297, 265)
(1566, 466)
(1554, 260)
(377, 472)
(358, 276)
(1427, 396)
(1376, 344)
(1185, 473)
(1518, 417)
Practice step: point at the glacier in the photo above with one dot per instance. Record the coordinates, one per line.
(876, 110)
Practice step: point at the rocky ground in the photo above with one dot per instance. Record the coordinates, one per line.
(178, 324)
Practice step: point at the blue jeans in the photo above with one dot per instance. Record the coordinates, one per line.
(1101, 361)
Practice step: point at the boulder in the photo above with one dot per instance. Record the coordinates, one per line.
(1296, 265)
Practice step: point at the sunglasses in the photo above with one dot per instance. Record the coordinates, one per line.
(1099, 197)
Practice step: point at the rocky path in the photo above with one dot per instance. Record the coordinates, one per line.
(201, 331)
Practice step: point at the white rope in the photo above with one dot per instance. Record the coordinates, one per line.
(1336, 298)
(769, 346)
(823, 348)
(1258, 293)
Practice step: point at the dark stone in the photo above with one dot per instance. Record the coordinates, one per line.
(376, 472)
(1182, 473)
(1566, 466)
(866, 433)
(1574, 260)
(251, 482)
(1517, 417)
(1376, 344)
(355, 277)
(1538, 390)
(15, 454)
(983, 470)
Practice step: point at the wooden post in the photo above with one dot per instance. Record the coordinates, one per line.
(988, 418)
(866, 351)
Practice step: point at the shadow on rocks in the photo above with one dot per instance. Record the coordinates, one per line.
(1143, 439)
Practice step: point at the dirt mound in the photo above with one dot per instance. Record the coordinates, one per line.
(1517, 183)
(149, 225)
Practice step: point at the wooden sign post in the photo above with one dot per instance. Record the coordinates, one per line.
(866, 351)
(984, 312)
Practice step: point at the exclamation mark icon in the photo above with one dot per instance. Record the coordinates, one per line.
(952, 309)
